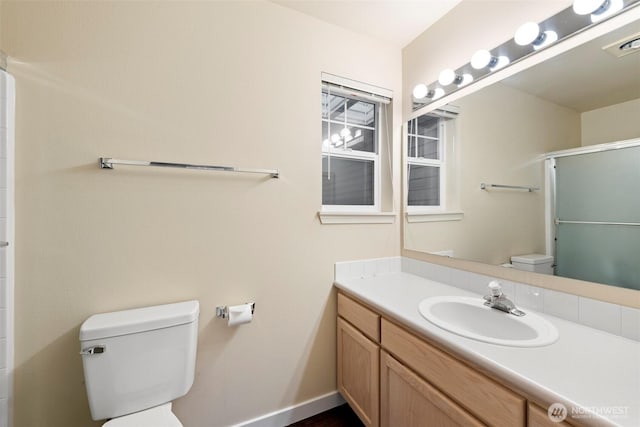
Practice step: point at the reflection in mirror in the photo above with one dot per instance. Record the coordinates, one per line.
(431, 148)
(597, 215)
(589, 95)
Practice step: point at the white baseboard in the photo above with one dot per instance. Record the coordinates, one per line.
(295, 413)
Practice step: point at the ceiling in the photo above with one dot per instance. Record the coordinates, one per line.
(397, 22)
(587, 77)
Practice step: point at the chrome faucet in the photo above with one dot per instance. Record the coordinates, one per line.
(496, 299)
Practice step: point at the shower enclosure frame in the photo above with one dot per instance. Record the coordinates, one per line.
(7, 251)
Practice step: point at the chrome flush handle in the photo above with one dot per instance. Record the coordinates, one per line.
(96, 349)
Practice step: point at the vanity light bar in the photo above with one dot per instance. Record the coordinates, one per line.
(530, 38)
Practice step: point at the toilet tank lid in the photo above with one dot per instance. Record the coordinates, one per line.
(126, 322)
(532, 259)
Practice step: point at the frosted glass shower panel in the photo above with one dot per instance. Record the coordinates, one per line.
(602, 186)
(597, 205)
(599, 253)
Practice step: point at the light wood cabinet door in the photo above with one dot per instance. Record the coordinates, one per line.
(538, 417)
(358, 372)
(406, 400)
(488, 400)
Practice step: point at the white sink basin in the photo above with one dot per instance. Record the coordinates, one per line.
(470, 318)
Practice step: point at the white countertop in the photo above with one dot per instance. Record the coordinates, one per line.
(585, 368)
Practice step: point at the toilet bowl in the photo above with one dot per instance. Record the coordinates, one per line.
(160, 416)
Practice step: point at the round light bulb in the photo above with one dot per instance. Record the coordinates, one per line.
(614, 7)
(466, 79)
(447, 76)
(345, 132)
(502, 61)
(438, 93)
(549, 37)
(480, 59)
(335, 138)
(420, 91)
(585, 7)
(527, 33)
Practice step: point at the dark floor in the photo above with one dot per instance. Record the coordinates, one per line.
(341, 416)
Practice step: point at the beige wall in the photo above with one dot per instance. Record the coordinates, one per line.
(213, 82)
(610, 124)
(502, 134)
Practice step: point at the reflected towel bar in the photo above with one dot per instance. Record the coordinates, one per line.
(484, 186)
(108, 163)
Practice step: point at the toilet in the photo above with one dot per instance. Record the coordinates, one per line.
(136, 362)
(537, 263)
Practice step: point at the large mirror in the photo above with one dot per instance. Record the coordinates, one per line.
(582, 205)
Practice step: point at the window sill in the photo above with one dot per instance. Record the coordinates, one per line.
(434, 216)
(357, 217)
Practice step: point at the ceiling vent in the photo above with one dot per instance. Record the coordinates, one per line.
(623, 47)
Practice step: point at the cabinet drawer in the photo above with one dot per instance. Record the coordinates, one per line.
(409, 401)
(359, 316)
(483, 397)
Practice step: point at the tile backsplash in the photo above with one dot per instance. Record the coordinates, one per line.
(612, 318)
(367, 268)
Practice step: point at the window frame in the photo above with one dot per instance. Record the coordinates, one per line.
(350, 154)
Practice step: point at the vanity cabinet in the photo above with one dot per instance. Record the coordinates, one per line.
(489, 401)
(537, 417)
(392, 377)
(407, 400)
(359, 359)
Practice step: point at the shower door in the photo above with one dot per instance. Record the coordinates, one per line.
(598, 217)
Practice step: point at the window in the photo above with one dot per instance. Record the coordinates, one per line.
(430, 155)
(350, 151)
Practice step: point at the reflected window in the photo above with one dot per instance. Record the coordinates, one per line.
(430, 148)
(425, 160)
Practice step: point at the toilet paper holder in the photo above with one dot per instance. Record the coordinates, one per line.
(222, 311)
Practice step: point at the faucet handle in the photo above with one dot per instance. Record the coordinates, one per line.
(495, 288)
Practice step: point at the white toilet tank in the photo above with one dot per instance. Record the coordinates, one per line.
(137, 359)
(533, 262)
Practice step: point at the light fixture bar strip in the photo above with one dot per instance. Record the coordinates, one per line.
(108, 163)
(565, 24)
